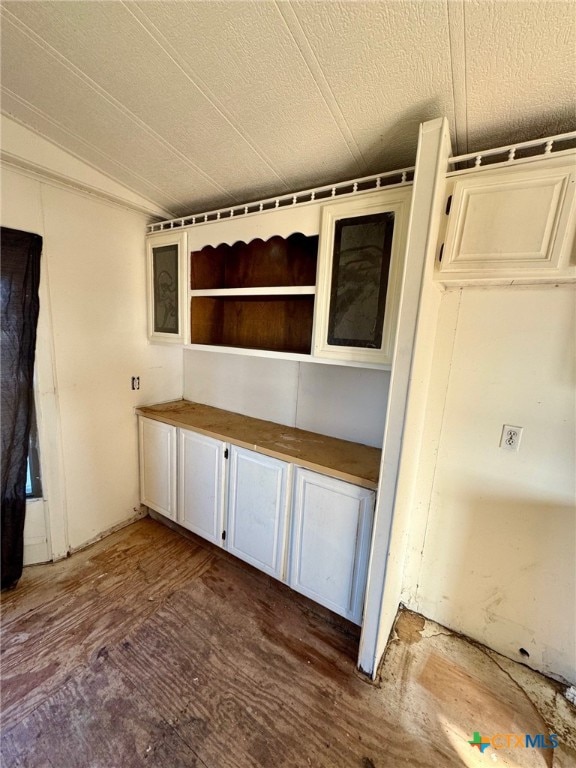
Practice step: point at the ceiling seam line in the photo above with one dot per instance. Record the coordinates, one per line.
(465, 70)
(457, 50)
(456, 131)
(61, 181)
(333, 108)
(75, 136)
(208, 96)
(76, 72)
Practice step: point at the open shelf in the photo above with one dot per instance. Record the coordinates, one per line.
(257, 295)
(279, 261)
(281, 324)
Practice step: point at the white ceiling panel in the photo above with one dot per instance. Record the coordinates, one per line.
(521, 70)
(203, 103)
(54, 90)
(250, 67)
(387, 66)
(528, 82)
(169, 103)
(87, 153)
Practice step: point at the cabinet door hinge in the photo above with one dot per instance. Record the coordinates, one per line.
(223, 535)
(225, 453)
(448, 204)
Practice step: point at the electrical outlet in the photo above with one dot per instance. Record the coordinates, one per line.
(135, 382)
(511, 436)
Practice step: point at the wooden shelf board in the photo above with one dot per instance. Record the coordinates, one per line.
(278, 323)
(275, 290)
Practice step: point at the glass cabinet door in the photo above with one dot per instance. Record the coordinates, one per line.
(167, 289)
(362, 243)
(165, 282)
(360, 267)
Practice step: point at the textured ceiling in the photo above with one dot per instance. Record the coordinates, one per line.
(199, 104)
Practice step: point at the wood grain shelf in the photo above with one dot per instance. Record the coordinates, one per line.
(278, 261)
(256, 295)
(281, 324)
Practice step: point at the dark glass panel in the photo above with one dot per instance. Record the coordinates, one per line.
(360, 267)
(165, 282)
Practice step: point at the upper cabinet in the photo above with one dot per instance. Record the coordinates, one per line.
(317, 282)
(511, 224)
(362, 245)
(166, 283)
(317, 275)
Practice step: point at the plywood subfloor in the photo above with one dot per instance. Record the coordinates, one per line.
(151, 649)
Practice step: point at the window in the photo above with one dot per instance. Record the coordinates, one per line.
(33, 480)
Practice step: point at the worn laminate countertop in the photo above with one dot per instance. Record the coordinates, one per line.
(359, 464)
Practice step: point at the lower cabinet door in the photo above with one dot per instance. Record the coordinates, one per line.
(331, 530)
(257, 510)
(201, 477)
(157, 449)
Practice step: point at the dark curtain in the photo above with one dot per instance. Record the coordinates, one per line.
(20, 277)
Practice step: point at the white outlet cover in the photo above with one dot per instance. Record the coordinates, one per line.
(510, 438)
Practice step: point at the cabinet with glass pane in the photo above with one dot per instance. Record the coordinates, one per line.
(167, 294)
(362, 243)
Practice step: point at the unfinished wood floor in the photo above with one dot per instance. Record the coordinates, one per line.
(151, 649)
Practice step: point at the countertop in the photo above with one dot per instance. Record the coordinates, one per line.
(353, 462)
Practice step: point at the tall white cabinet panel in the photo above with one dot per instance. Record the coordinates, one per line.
(201, 478)
(157, 448)
(257, 510)
(331, 532)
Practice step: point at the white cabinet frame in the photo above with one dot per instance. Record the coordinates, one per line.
(397, 201)
(178, 239)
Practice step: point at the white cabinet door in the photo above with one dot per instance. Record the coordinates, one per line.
(201, 485)
(257, 510)
(510, 224)
(157, 447)
(167, 282)
(360, 258)
(331, 531)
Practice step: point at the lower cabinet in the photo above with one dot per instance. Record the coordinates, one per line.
(307, 529)
(331, 531)
(201, 485)
(258, 510)
(157, 452)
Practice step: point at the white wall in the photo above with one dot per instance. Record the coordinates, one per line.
(344, 402)
(92, 330)
(492, 552)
